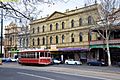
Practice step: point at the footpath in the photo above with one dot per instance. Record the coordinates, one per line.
(78, 71)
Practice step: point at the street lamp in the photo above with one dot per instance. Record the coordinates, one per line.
(1, 31)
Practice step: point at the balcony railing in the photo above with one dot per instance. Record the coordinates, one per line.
(113, 41)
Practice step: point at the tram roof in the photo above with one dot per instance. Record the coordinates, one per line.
(33, 50)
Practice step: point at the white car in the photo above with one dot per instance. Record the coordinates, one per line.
(71, 61)
(55, 61)
(14, 60)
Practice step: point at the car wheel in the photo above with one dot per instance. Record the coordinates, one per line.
(66, 62)
(100, 64)
(75, 63)
(89, 64)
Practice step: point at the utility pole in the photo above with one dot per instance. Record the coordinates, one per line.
(1, 31)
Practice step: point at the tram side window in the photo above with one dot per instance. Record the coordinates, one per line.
(48, 54)
(37, 54)
(23, 55)
(31, 55)
(45, 54)
(42, 54)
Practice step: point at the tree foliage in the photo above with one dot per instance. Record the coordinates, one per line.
(25, 10)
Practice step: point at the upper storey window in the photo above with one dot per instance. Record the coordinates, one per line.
(90, 20)
(63, 25)
(80, 22)
(38, 29)
(50, 27)
(72, 23)
(72, 37)
(33, 30)
(57, 25)
(43, 29)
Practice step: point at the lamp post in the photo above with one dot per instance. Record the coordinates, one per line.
(1, 31)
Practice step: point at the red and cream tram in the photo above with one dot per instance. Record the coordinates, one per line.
(34, 56)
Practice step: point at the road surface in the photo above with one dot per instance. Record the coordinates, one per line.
(22, 74)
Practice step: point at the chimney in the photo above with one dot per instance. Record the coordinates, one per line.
(67, 10)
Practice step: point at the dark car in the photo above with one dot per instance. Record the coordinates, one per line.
(96, 63)
(118, 63)
(6, 60)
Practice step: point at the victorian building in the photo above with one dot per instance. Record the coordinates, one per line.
(23, 38)
(11, 39)
(66, 34)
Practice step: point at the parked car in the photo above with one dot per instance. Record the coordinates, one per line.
(96, 63)
(14, 60)
(118, 63)
(55, 61)
(0, 61)
(72, 61)
(6, 60)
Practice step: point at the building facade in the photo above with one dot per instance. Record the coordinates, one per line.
(66, 34)
(11, 39)
(24, 38)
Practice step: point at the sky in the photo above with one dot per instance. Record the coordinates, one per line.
(58, 6)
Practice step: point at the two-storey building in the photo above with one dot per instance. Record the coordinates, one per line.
(66, 34)
(11, 39)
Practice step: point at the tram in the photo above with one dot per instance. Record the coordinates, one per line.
(34, 56)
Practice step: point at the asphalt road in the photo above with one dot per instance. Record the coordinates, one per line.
(22, 74)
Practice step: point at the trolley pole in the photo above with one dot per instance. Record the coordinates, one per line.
(1, 31)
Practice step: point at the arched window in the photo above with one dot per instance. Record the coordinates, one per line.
(72, 23)
(90, 20)
(56, 39)
(80, 37)
(80, 22)
(38, 29)
(51, 40)
(20, 42)
(33, 41)
(57, 25)
(90, 36)
(43, 29)
(38, 41)
(63, 25)
(72, 37)
(43, 41)
(33, 30)
(50, 27)
(63, 37)
(27, 42)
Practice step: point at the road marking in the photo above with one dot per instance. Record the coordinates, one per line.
(35, 76)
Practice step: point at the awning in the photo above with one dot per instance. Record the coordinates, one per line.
(15, 51)
(104, 46)
(73, 49)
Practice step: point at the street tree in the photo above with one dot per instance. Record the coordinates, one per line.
(23, 11)
(109, 16)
